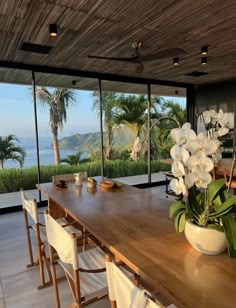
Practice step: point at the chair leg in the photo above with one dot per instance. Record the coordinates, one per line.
(41, 269)
(84, 239)
(27, 227)
(46, 264)
(54, 278)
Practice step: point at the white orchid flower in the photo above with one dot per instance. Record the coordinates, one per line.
(189, 180)
(181, 135)
(178, 186)
(223, 131)
(179, 153)
(200, 179)
(230, 118)
(202, 144)
(199, 163)
(177, 169)
(207, 116)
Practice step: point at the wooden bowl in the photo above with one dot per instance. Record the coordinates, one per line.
(107, 184)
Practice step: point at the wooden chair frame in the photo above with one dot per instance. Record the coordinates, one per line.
(74, 283)
(41, 260)
(150, 298)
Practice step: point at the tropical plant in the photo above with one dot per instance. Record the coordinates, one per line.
(58, 101)
(175, 110)
(108, 108)
(72, 159)
(132, 112)
(205, 203)
(10, 151)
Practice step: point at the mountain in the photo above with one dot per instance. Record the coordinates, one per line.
(123, 138)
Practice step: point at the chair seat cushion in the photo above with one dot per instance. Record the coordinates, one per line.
(91, 284)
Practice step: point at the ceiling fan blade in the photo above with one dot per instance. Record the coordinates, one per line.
(113, 58)
(168, 53)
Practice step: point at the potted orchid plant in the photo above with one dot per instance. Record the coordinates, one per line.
(206, 205)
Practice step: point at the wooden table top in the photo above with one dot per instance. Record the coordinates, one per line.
(134, 225)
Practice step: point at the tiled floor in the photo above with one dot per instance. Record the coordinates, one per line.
(18, 285)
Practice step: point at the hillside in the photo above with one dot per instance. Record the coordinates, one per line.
(123, 137)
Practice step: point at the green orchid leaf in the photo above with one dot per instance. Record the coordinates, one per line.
(175, 207)
(218, 201)
(229, 224)
(214, 188)
(193, 207)
(179, 221)
(215, 227)
(224, 208)
(182, 222)
(225, 194)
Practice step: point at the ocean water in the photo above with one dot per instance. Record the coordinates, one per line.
(46, 156)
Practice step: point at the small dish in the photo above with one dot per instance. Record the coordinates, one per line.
(118, 184)
(61, 186)
(107, 184)
(91, 184)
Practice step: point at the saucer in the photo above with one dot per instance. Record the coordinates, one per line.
(60, 186)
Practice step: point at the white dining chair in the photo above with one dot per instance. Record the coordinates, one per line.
(30, 209)
(123, 293)
(85, 271)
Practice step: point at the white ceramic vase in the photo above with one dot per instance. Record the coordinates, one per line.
(207, 241)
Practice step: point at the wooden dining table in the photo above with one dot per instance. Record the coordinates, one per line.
(134, 225)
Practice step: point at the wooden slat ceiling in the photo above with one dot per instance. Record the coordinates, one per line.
(108, 27)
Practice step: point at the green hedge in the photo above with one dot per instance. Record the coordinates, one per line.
(13, 179)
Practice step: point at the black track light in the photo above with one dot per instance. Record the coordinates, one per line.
(204, 50)
(204, 60)
(53, 30)
(176, 61)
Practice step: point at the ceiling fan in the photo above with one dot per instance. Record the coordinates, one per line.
(138, 59)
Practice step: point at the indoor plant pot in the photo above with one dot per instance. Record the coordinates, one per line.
(206, 203)
(207, 241)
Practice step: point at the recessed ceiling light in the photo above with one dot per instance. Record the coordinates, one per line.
(204, 50)
(204, 60)
(53, 30)
(176, 61)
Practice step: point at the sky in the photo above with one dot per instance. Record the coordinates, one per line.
(17, 113)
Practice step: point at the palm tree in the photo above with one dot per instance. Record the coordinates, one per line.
(109, 102)
(173, 115)
(58, 102)
(176, 111)
(132, 112)
(8, 150)
(72, 159)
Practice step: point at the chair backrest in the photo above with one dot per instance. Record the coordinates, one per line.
(30, 206)
(123, 292)
(62, 241)
(66, 177)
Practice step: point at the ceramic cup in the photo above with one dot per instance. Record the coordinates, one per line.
(62, 183)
